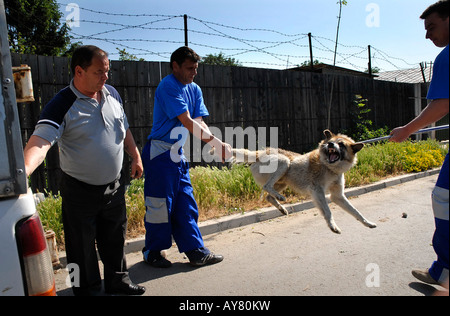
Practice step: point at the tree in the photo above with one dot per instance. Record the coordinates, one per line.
(34, 27)
(308, 63)
(124, 55)
(375, 70)
(220, 60)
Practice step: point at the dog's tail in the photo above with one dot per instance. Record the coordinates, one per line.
(245, 156)
(242, 156)
(248, 157)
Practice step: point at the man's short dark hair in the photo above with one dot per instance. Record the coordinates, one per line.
(440, 7)
(183, 53)
(83, 55)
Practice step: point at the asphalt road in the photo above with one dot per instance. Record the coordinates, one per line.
(298, 255)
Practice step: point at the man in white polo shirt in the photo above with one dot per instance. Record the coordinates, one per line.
(88, 122)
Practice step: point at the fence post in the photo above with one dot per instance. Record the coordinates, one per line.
(311, 51)
(418, 102)
(186, 41)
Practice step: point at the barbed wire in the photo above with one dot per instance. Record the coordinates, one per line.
(232, 41)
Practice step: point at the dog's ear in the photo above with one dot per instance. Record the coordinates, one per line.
(357, 147)
(328, 134)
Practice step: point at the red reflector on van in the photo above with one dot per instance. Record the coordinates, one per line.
(32, 237)
(37, 263)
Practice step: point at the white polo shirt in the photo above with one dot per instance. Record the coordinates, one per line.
(90, 135)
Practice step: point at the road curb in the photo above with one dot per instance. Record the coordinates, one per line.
(240, 220)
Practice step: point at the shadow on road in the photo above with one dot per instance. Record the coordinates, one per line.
(423, 288)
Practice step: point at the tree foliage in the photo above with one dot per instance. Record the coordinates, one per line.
(220, 60)
(126, 56)
(34, 27)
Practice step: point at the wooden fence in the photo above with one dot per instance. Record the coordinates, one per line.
(295, 102)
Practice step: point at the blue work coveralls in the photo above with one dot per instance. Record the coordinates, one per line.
(170, 204)
(171, 209)
(439, 89)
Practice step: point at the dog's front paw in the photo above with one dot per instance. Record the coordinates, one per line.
(284, 211)
(334, 228)
(370, 224)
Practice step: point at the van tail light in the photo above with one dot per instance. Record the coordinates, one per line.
(37, 263)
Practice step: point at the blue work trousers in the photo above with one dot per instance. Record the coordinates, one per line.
(171, 209)
(439, 269)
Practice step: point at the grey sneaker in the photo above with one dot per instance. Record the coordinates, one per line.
(207, 260)
(424, 276)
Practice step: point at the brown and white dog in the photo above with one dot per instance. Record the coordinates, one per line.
(314, 173)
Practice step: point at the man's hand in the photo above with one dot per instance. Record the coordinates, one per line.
(221, 149)
(199, 129)
(400, 134)
(227, 151)
(137, 167)
(436, 110)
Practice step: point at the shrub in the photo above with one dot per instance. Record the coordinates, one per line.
(362, 127)
(50, 212)
(135, 200)
(389, 159)
(422, 157)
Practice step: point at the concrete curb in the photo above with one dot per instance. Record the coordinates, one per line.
(239, 220)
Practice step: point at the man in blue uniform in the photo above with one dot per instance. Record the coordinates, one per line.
(436, 23)
(171, 209)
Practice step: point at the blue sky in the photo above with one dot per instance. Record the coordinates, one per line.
(391, 27)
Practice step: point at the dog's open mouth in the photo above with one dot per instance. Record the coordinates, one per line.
(333, 155)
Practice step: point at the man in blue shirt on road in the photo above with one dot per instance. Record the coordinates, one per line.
(171, 209)
(436, 23)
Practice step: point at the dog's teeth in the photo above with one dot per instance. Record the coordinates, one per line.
(333, 158)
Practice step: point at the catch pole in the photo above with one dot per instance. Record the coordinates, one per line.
(422, 131)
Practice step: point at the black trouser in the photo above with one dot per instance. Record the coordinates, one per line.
(94, 213)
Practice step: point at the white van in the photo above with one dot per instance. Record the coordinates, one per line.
(25, 263)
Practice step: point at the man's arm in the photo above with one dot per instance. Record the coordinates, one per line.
(436, 110)
(199, 129)
(202, 123)
(130, 147)
(35, 152)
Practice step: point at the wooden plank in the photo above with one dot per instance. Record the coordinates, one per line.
(16, 59)
(62, 71)
(46, 70)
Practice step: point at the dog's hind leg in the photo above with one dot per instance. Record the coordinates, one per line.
(269, 187)
(318, 196)
(279, 187)
(277, 204)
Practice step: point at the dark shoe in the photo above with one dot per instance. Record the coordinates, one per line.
(127, 289)
(160, 263)
(209, 259)
(156, 260)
